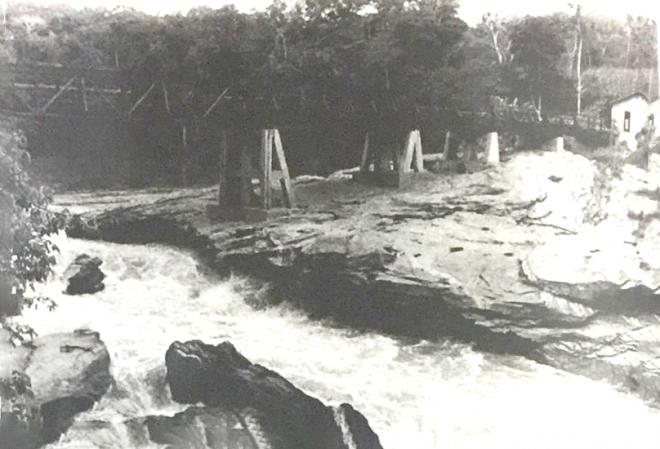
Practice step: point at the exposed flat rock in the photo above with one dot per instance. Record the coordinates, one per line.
(512, 259)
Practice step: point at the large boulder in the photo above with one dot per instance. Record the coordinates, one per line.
(84, 275)
(66, 374)
(200, 427)
(255, 403)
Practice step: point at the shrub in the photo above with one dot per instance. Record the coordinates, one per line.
(26, 253)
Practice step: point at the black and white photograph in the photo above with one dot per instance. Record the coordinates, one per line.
(329, 224)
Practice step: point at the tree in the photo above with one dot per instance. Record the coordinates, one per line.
(537, 47)
(577, 52)
(26, 253)
(499, 38)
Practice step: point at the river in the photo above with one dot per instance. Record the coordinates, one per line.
(440, 395)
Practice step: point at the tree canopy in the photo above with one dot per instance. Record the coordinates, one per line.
(333, 65)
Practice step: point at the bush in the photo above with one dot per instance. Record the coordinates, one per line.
(26, 253)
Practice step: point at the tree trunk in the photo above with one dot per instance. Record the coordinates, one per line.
(578, 69)
(579, 79)
(500, 56)
(657, 45)
(628, 44)
(650, 91)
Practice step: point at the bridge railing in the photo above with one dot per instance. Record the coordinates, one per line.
(52, 89)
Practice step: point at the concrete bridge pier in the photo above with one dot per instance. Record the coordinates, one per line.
(493, 149)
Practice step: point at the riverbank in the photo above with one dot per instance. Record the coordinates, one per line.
(528, 258)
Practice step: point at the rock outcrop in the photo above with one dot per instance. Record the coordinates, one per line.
(84, 276)
(66, 374)
(249, 404)
(199, 427)
(543, 256)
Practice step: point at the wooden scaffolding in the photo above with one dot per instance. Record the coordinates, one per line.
(246, 193)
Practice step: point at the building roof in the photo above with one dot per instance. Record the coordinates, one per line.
(628, 97)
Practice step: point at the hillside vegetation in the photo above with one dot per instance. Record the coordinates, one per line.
(324, 71)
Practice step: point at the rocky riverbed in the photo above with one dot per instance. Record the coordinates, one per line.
(47, 383)
(547, 255)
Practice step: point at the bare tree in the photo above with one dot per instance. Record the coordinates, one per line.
(501, 45)
(577, 56)
(657, 47)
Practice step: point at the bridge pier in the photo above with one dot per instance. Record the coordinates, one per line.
(237, 197)
(391, 169)
(493, 149)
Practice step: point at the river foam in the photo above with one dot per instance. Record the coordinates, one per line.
(440, 395)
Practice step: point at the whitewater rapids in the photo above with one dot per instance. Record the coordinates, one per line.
(416, 395)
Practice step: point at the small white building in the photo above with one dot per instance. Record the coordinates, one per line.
(630, 115)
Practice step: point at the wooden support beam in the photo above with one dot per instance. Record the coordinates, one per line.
(418, 153)
(215, 103)
(445, 151)
(166, 97)
(266, 162)
(84, 93)
(42, 87)
(285, 181)
(23, 100)
(184, 155)
(57, 95)
(141, 99)
(222, 167)
(412, 157)
(407, 156)
(366, 157)
(104, 97)
(245, 180)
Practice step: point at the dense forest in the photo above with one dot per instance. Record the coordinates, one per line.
(324, 70)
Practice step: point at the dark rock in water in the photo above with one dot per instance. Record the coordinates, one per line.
(272, 411)
(356, 427)
(197, 427)
(84, 276)
(67, 374)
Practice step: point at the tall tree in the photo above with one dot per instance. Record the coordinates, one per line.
(579, 39)
(538, 47)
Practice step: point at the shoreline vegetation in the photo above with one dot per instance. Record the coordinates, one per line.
(324, 72)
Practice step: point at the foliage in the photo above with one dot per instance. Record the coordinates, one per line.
(17, 389)
(26, 253)
(328, 68)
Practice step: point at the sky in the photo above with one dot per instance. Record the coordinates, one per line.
(471, 10)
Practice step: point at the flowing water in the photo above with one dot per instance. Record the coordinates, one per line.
(427, 396)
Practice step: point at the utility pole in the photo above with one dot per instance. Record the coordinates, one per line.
(578, 46)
